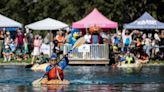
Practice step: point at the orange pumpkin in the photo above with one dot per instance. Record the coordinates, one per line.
(94, 28)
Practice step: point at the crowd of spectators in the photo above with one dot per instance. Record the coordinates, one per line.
(123, 44)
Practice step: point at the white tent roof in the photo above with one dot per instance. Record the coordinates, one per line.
(47, 24)
(7, 22)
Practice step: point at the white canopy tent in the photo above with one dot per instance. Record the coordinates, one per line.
(7, 22)
(47, 24)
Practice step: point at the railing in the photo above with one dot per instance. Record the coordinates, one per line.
(88, 52)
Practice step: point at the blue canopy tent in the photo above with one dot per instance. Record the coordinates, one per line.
(146, 21)
(9, 24)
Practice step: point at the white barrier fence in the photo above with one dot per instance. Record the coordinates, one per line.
(88, 52)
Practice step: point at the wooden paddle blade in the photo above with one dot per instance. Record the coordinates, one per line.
(79, 42)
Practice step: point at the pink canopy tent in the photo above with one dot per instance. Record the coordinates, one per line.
(95, 18)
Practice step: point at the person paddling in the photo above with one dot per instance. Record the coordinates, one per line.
(50, 68)
(55, 70)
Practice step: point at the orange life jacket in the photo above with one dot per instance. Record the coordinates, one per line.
(53, 73)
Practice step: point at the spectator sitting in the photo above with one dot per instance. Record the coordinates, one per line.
(19, 54)
(24, 55)
(13, 48)
(41, 59)
(7, 53)
(143, 58)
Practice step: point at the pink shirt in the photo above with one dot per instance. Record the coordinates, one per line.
(37, 42)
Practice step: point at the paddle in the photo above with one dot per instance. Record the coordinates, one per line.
(78, 43)
(29, 65)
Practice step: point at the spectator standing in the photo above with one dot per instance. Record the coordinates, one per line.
(55, 42)
(156, 36)
(67, 36)
(147, 45)
(61, 40)
(87, 37)
(26, 50)
(7, 39)
(95, 38)
(115, 39)
(155, 48)
(1, 42)
(126, 39)
(37, 44)
(19, 39)
(30, 37)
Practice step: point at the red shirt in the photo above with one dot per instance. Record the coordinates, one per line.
(20, 38)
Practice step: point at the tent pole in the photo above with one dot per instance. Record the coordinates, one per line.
(50, 42)
(117, 30)
(86, 28)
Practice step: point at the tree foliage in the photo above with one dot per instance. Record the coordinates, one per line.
(68, 11)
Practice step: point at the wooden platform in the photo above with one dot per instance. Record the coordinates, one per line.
(89, 62)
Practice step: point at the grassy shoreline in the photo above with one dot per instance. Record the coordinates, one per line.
(26, 62)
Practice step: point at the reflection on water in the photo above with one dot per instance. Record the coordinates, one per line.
(86, 78)
(85, 88)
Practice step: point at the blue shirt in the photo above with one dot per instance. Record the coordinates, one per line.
(62, 64)
(95, 39)
(12, 46)
(122, 59)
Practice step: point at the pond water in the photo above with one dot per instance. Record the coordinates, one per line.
(86, 79)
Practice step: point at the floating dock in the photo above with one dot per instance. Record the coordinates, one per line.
(89, 62)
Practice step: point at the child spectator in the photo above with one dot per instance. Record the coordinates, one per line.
(18, 54)
(7, 53)
(41, 59)
(24, 55)
(12, 46)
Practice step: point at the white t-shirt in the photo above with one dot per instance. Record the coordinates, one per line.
(87, 38)
(147, 41)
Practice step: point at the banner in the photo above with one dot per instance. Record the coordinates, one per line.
(45, 49)
(84, 48)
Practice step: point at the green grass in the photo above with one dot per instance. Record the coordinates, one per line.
(29, 60)
(16, 61)
(156, 61)
(21, 61)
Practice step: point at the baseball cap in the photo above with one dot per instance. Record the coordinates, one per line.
(53, 56)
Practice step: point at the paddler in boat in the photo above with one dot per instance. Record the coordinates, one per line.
(129, 58)
(55, 70)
